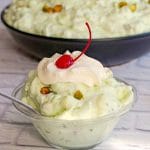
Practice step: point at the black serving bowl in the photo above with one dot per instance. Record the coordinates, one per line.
(110, 51)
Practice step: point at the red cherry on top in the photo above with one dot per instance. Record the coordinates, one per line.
(65, 61)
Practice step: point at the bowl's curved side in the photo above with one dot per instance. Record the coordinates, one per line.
(75, 135)
(69, 133)
(108, 52)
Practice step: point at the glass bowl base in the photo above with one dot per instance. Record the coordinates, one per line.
(77, 148)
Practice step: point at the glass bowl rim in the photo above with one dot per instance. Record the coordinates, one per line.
(117, 113)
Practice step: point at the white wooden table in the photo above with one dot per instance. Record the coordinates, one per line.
(17, 133)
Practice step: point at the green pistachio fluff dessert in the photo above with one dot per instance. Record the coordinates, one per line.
(64, 18)
(85, 90)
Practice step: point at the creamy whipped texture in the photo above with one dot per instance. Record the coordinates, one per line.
(85, 90)
(107, 18)
(86, 70)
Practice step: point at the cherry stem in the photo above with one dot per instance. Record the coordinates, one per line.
(88, 43)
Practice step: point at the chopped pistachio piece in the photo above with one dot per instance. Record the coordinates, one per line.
(45, 90)
(122, 4)
(57, 8)
(47, 9)
(133, 7)
(78, 95)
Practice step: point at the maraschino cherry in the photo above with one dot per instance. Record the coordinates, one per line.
(65, 61)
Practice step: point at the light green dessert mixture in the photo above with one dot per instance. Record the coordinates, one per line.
(66, 18)
(76, 101)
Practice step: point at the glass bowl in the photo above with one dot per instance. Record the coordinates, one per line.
(73, 134)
